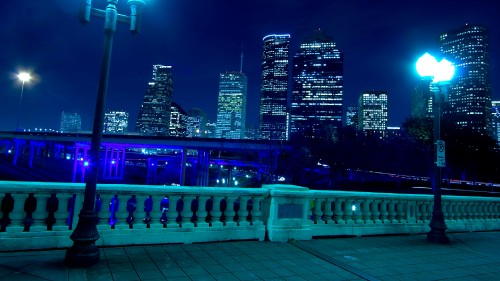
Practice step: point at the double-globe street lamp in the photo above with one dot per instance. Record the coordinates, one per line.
(438, 74)
(84, 252)
(23, 77)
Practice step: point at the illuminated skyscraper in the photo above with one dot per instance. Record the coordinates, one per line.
(178, 121)
(70, 122)
(196, 123)
(231, 107)
(496, 120)
(372, 116)
(317, 88)
(274, 88)
(116, 122)
(351, 116)
(154, 114)
(421, 102)
(470, 94)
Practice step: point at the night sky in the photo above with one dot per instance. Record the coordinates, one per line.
(381, 41)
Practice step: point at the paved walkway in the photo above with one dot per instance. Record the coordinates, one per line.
(469, 256)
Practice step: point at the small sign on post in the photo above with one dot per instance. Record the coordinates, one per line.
(440, 153)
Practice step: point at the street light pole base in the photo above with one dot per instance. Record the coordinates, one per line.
(84, 252)
(438, 229)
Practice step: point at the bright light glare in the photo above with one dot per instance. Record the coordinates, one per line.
(444, 71)
(426, 65)
(354, 207)
(24, 77)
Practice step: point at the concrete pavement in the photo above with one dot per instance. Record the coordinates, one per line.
(469, 256)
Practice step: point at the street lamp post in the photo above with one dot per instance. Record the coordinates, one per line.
(23, 77)
(84, 252)
(438, 74)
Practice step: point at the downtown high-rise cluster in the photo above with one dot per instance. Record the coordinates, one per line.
(303, 94)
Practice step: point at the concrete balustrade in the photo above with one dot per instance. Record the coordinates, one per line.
(42, 215)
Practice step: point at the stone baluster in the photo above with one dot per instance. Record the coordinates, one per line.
(244, 211)
(461, 211)
(482, 212)
(39, 213)
(118, 212)
(144, 211)
(338, 212)
(366, 211)
(401, 212)
(475, 211)
(101, 206)
(216, 213)
(348, 212)
(496, 211)
(391, 216)
(229, 212)
(375, 211)
(187, 213)
(51, 207)
(454, 211)
(467, 211)
(17, 215)
(316, 210)
(328, 212)
(358, 212)
(202, 213)
(61, 216)
(131, 208)
(383, 211)
(7, 207)
(256, 212)
(172, 213)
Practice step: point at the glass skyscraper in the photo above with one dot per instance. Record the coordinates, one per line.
(116, 122)
(317, 87)
(70, 122)
(470, 93)
(274, 87)
(154, 114)
(231, 107)
(196, 123)
(372, 116)
(178, 121)
(496, 120)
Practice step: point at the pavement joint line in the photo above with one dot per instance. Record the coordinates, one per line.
(335, 262)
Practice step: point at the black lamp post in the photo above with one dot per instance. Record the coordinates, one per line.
(84, 252)
(438, 74)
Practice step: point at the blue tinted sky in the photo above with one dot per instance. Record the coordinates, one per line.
(381, 40)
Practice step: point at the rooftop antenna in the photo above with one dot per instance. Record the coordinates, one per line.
(241, 59)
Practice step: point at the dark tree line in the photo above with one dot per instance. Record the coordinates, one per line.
(469, 156)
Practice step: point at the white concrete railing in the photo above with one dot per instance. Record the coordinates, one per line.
(133, 214)
(180, 223)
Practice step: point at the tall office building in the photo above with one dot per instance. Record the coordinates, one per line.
(470, 93)
(154, 114)
(274, 116)
(372, 116)
(351, 116)
(496, 119)
(421, 100)
(116, 122)
(196, 123)
(317, 87)
(178, 121)
(70, 122)
(231, 107)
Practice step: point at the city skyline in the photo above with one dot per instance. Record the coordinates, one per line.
(201, 41)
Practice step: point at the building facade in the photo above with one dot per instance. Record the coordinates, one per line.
(196, 123)
(469, 103)
(496, 120)
(317, 87)
(116, 122)
(154, 114)
(372, 114)
(274, 116)
(231, 106)
(70, 122)
(421, 100)
(178, 121)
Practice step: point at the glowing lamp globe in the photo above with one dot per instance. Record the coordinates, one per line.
(444, 71)
(24, 77)
(426, 65)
